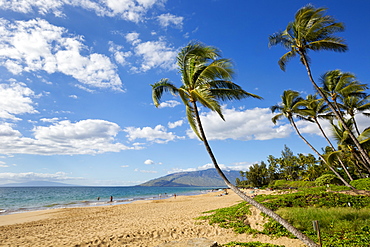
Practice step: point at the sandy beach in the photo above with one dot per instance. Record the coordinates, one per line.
(141, 223)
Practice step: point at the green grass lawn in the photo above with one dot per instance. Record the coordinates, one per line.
(344, 219)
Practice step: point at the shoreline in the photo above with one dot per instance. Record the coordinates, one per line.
(88, 202)
(140, 223)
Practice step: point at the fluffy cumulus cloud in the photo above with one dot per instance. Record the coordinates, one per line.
(169, 103)
(152, 54)
(119, 55)
(37, 45)
(158, 135)
(168, 19)
(9, 177)
(130, 10)
(250, 124)
(89, 136)
(15, 99)
(175, 124)
(149, 162)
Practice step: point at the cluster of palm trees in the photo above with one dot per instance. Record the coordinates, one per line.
(207, 79)
(339, 98)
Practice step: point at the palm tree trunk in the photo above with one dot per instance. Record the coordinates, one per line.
(358, 169)
(321, 157)
(309, 242)
(355, 124)
(359, 159)
(337, 114)
(332, 148)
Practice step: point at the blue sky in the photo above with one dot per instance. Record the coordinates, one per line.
(75, 95)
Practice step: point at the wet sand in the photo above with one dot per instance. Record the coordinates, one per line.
(141, 223)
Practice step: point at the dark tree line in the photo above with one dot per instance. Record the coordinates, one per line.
(288, 167)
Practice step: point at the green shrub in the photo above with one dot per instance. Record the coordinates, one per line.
(284, 184)
(232, 217)
(327, 179)
(361, 184)
(313, 198)
(343, 218)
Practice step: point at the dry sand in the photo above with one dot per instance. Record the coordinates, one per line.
(141, 223)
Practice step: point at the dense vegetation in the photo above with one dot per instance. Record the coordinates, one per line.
(344, 219)
(292, 171)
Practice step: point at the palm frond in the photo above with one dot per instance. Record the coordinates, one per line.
(328, 43)
(286, 58)
(332, 157)
(158, 88)
(277, 117)
(190, 114)
(206, 98)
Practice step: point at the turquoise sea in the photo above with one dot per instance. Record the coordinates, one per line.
(21, 199)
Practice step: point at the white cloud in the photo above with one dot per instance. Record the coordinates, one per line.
(153, 54)
(125, 166)
(130, 10)
(168, 19)
(149, 162)
(3, 165)
(7, 132)
(306, 127)
(36, 45)
(158, 135)
(362, 121)
(32, 176)
(250, 124)
(89, 136)
(15, 99)
(133, 38)
(119, 55)
(175, 124)
(49, 120)
(169, 103)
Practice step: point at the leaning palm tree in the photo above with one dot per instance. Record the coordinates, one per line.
(290, 107)
(338, 85)
(353, 105)
(312, 30)
(345, 143)
(315, 109)
(206, 79)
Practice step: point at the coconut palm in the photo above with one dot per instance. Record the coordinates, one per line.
(338, 85)
(312, 30)
(206, 79)
(353, 105)
(344, 91)
(291, 107)
(345, 143)
(315, 109)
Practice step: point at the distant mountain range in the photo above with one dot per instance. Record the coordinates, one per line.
(204, 178)
(36, 184)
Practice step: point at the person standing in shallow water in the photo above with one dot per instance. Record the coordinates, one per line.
(111, 198)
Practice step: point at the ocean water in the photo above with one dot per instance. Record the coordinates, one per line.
(21, 199)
